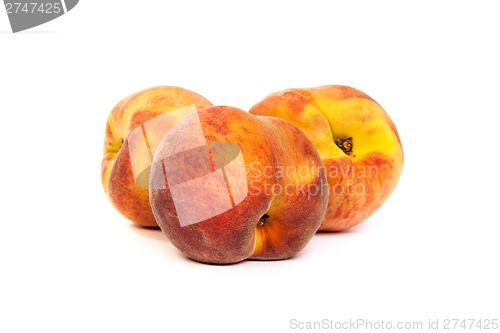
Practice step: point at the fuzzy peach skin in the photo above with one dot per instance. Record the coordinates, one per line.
(277, 192)
(127, 190)
(357, 141)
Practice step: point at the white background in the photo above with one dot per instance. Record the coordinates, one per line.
(70, 263)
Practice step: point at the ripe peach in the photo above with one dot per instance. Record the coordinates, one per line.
(357, 141)
(134, 128)
(226, 185)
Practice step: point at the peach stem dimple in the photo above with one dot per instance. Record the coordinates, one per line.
(345, 144)
(262, 220)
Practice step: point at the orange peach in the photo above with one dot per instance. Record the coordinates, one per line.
(133, 129)
(226, 185)
(357, 141)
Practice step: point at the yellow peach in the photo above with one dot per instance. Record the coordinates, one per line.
(133, 129)
(357, 141)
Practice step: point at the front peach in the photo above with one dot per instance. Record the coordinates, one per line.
(226, 186)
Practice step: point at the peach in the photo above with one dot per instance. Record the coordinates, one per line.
(226, 185)
(357, 141)
(133, 129)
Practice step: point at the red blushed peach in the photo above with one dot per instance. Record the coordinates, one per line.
(226, 185)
